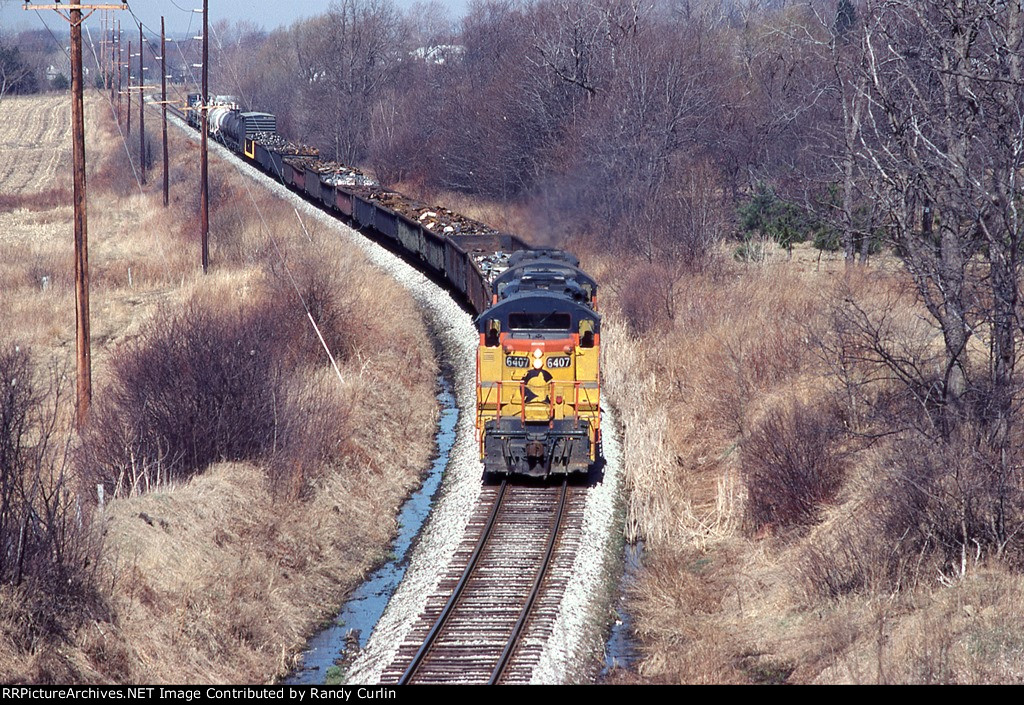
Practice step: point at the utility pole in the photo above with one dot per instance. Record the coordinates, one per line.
(142, 114)
(113, 34)
(102, 66)
(113, 58)
(120, 66)
(163, 97)
(204, 195)
(82, 344)
(129, 91)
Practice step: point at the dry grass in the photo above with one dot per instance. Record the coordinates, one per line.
(220, 578)
(734, 382)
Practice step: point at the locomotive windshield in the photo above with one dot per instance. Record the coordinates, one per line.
(550, 320)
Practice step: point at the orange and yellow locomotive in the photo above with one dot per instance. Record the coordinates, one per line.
(538, 376)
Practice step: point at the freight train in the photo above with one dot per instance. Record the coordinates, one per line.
(538, 380)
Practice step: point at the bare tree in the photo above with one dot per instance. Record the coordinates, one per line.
(943, 151)
(15, 74)
(353, 61)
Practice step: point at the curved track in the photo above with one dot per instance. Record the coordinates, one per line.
(512, 570)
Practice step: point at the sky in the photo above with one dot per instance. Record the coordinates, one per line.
(267, 13)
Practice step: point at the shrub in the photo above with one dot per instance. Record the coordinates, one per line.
(791, 466)
(931, 510)
(648, 297)
(193, 388)
(220, 383)
(47, 549)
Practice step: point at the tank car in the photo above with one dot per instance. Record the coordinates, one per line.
(538, 376)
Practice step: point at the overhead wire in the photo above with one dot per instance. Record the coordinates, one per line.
(269, 231)
(103, 93)
(245, 180)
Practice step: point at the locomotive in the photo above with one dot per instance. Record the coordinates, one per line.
(538, 387)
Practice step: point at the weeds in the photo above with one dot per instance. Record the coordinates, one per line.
(48, 554)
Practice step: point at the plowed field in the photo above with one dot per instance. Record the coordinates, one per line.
(35, 141)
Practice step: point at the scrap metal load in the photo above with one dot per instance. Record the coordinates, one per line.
(277, 143)
(466, 252)
(448, 223)
(338, 174)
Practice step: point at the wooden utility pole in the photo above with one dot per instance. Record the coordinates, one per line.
(129, 91)
(163, 98)
(120, 66)
(113, 34)
(204, 196)
(82, 346)
(82, 342)
(107, 47)
(102, 64)
(142, 114)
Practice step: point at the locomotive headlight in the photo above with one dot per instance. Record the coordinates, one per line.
(538, 363)
(537, 353)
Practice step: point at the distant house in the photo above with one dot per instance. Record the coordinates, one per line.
(439, 53)
(62, 67)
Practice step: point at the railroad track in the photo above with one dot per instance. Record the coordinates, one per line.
(499, 601)
(497, 604)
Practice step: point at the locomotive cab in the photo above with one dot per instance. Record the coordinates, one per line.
(538, 384)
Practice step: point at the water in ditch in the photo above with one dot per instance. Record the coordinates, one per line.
(620, 651)
(359, 615)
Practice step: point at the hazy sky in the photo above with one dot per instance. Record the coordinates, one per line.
(268, 13)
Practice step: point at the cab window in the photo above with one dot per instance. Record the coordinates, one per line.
(539, 321)
(491, 339)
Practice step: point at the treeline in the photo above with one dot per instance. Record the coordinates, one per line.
(650, 125)
(30, 62)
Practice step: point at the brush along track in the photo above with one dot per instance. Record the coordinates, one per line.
(499, 599)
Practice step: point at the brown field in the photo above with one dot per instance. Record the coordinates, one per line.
(35, 138)
(221, 577)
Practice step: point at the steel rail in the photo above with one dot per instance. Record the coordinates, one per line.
(542, 571)
(449, 607)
